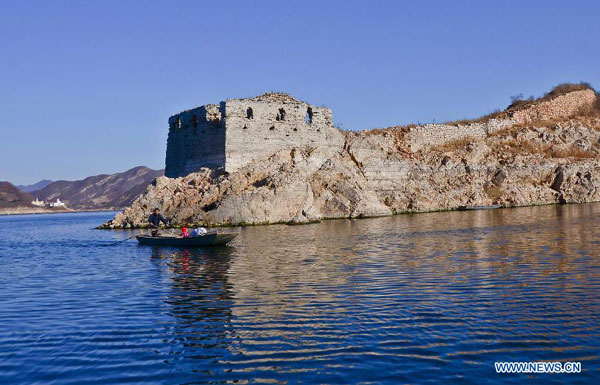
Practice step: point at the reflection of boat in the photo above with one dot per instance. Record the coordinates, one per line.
(212, 239)
(491, 207)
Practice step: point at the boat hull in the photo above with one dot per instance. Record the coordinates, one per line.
(199, 241)
(491, 207)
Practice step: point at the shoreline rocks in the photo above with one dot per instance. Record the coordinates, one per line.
(33, 210)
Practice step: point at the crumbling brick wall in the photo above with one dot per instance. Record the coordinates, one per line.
(196, 139)
(560, 107)
(238, 131)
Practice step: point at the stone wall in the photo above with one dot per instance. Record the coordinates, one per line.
(436, 134)
(258, 127)
(196, 139)
(238, 131)
(560, 107)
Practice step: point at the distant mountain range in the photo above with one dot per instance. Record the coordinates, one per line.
(34, 187)
(11, 196)
(103, 191)
(99, 192)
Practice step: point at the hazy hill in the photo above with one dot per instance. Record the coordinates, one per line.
(11, 196)
(100, 191)
(34, 187)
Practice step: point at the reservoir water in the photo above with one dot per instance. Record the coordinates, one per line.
(421, 298)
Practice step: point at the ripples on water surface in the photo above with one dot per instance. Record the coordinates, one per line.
(413, 298)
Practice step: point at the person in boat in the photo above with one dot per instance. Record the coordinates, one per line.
(198, 231)
(154, 219)
(184, 233)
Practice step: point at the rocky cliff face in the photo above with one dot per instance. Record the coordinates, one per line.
(538, 155)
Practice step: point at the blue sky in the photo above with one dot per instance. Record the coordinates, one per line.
(87, 87)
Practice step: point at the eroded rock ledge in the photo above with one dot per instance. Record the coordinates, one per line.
(547, 151)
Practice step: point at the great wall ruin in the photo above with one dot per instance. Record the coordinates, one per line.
(273, 158)
(235, 132)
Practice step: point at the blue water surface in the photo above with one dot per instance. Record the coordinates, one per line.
(426, 298)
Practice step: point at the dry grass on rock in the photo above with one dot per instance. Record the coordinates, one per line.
(454, 145)
(526, 147)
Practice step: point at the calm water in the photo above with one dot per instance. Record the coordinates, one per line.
(409, 299)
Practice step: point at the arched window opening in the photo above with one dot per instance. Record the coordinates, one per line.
(280, 114)
(309, 115)
(194, 121)
(249, 113)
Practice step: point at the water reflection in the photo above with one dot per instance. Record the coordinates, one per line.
(200, 301)
(402, 299)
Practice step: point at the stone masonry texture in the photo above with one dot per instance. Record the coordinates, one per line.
(237, 131)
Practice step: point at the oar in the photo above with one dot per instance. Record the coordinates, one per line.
(122, 240)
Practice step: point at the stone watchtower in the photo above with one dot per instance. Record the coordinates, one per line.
(235, 132)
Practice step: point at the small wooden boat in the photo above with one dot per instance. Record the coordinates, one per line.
(490, 207)
(211, 239)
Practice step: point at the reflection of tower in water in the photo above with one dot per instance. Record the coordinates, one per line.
(199, 304)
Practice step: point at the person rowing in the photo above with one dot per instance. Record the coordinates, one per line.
(154, 219)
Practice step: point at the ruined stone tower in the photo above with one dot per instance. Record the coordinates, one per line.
(235, 132)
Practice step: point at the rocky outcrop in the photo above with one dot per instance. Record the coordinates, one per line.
(290, 186)
(378, 172)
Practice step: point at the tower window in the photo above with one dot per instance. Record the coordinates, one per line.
(249, 113)
(309, 115)
(280, 114)
(194, 121)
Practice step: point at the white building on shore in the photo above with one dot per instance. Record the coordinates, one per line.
(38, 203)
(58, 203)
